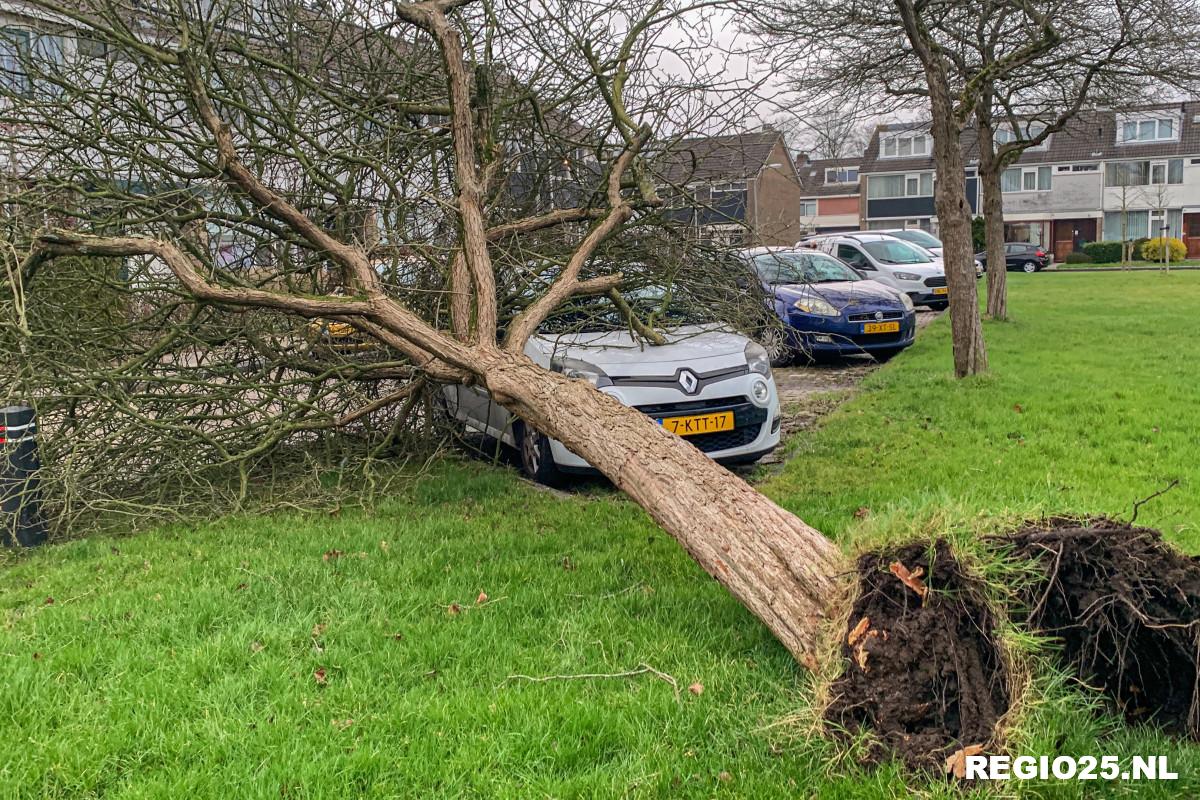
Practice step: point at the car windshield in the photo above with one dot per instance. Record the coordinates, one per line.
(802, 267)
(896, 252)
(917, 236)
(651, 304)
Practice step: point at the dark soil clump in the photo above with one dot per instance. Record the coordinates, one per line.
(924, 674)
(1127, 610)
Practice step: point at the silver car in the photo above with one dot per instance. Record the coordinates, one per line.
(706, 383)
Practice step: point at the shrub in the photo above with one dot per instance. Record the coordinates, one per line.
(1136, 251)
(1103, 252)
(1077, 257)
(1152, 250)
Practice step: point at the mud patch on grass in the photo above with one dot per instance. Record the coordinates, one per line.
(924, 675)
(1126, 608)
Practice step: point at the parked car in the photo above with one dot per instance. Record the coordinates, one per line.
(707, 383)
(917, 237)
(828, 308)
(1021, 256)
(892, 262)
(927, 241)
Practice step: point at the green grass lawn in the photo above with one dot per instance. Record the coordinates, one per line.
(332, 657)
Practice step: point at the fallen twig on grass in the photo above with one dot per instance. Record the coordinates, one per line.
(1137, 506)
(642, 669)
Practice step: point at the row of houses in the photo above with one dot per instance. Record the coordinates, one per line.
(1111, 174)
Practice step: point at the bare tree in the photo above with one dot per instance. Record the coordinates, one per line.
(1094, 53)
(829, 128)
(340, 143)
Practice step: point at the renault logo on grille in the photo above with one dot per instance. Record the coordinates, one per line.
(689, 381)
(878, 315)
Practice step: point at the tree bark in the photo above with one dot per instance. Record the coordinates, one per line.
(954, 219)
(782, 570)
(993, 217)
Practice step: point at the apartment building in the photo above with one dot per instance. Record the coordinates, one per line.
(1111, 174)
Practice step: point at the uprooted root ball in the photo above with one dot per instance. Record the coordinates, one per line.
(924, 675)
(1127, 610)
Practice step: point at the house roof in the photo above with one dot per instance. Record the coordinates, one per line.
(715, 158)
(812, 177)
(1089, 136)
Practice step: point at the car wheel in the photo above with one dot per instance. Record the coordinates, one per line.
(942, 306)
(1029, 266)
(774, 341)
(537, 462)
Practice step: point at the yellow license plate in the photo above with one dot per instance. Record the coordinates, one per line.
(699, 423)
(881, 327)
(942, 290)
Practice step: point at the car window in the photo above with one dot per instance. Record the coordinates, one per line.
(851, 255)
(1011, 248)
(917, 236)
(895, 251)
(802, 267)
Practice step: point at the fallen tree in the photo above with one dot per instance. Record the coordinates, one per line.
(247, 131)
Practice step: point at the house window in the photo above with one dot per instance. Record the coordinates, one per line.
(904, 145)
(725, 235)
(918, 184)
(14, 49)
(1085, 168)
(841, 175)
(1025, 179)
(1159, 129)
(1144, 173)
(722, 192)
(808, 208)
(1006, 135)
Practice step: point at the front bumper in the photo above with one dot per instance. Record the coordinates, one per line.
(810, 334)
(756, 428)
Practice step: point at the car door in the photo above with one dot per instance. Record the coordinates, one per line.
(1012, 256)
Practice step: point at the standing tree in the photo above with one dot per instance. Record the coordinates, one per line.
(1026, 65)
(1109, 53)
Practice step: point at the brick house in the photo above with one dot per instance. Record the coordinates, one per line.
(832, 196)
(741, 189)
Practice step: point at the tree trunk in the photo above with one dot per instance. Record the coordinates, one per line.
(993, 217)
(954, 219)
(782, 570)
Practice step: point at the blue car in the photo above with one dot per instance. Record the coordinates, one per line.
(828, 309)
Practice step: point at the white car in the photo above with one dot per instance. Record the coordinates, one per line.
(893, 262)
(928, 241)
(707, 384)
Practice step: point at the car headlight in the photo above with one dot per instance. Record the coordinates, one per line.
(908, 303)
(906, 276)
(760, 392)
(818, 306)
(578, 368)
(757, 359)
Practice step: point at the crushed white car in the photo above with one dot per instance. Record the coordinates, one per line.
(707, 384)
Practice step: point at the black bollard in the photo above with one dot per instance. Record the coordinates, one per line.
(21, 520)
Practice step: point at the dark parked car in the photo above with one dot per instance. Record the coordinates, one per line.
(829, 309)
(1021, 256)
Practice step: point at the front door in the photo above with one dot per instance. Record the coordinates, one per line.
(1191, 234)
(1071, 235)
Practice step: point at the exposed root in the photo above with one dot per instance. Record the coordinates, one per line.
(924, 675)
(1126, 607)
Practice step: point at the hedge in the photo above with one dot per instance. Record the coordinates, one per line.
(1103, 252)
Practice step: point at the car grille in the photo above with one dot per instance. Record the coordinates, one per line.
(870, 316)
(726, 440)
(748, 420)
(937, 281)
